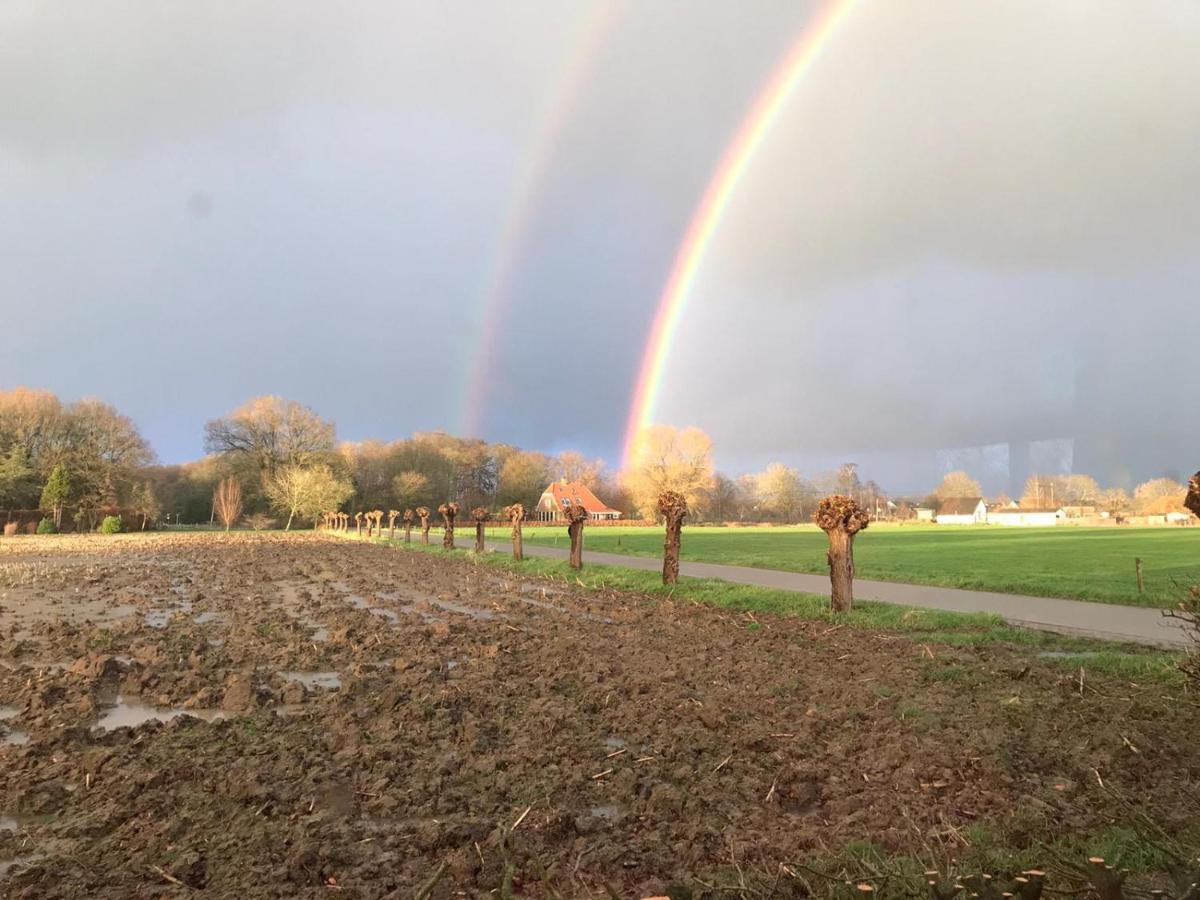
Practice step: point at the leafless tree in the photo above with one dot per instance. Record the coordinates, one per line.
(227, 501)
(423, 515)
(393, 514)
(841, 518)
(673, 507)
(358, 523)
(516, 515)
(576, 516)
(408, 524)
(448, 511)
(480, 516)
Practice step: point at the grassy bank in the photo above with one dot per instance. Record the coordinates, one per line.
(919, 625)
(1076, 563)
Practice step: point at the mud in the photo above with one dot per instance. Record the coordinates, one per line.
(268, 716)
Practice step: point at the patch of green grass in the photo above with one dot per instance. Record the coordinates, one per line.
(1075, 563)
(920, 625)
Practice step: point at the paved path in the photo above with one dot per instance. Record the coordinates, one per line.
(1074, 617)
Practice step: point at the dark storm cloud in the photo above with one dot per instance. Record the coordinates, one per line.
(973, 224)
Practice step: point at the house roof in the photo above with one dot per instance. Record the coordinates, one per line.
(959, 506)
(577, 493)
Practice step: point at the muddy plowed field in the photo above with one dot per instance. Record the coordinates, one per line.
(300, 716)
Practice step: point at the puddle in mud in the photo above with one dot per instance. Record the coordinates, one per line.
(19, 738)
(161, 618)
(205, 617)
(8, 865)
(610, 812)
(330, 681)
(320, 634)
(130, 715)
(612, 742)
(8, 712)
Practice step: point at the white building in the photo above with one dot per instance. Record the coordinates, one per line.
(962, 511)
(1016, 515)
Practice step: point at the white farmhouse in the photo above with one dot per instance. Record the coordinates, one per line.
(1018, 515)
(962, 511)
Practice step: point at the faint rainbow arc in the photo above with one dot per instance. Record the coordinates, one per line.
(707, 218)
(498, 291)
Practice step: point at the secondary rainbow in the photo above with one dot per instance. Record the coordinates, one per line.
(527, 190)
(707, 217)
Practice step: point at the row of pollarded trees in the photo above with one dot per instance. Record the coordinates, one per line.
(839, 516)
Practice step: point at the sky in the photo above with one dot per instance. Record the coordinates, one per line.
(971, 236)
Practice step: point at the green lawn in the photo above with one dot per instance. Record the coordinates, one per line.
(1077, 563)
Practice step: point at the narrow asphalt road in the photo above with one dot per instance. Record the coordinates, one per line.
(1072, 617)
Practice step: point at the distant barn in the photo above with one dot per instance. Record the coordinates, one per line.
(563, 494)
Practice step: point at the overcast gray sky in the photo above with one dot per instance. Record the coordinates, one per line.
(973, 223)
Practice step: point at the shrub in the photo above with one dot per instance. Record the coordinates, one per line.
(10, 528)
(111, 525)
(46, 526)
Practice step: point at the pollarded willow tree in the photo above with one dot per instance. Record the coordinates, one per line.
(841, 518)
(480, 516)
(448, 511)
(673, 507)
(393, 514)
(358, 523)
(1192, 500)
(576, 516)
(516, 515)
(408, 524)
(423, 515)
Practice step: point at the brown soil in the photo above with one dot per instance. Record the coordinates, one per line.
(451, 718)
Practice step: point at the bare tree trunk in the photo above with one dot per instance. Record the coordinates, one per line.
(841, 570)
(576, 516)
(673, 507)
(288, 526)
(479, 544)
(841, 518)
(516, 515)
(448, 511)
(423, 515)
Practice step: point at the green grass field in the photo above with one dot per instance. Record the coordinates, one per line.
(1077, 563)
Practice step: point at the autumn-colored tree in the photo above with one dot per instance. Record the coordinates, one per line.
(957, 484)
(145, 503)
(1159, 496)
(448, 512)
(227, 502)
(668, 459)
(841, 518)
(672, 507)
(305, 491)
(576, 516)
(480, 516)
(408, 487)
(423, 515)
(408, 524)
(780, 492)
(515, 513)
(271, 432)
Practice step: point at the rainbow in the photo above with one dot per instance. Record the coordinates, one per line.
(527, 189)
(707, 218)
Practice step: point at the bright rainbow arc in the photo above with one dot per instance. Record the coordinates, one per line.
(527, 189)
(707, 218)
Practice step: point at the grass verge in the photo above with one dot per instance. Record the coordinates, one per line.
(1127, 661)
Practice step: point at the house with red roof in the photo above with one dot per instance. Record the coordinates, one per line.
(562, 495)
